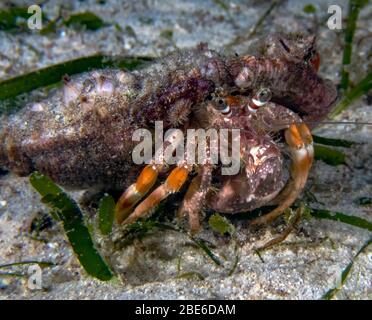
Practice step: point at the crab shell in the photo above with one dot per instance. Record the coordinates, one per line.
(260, 180)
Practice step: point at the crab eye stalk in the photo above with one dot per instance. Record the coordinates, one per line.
(260, 99)
(221, 105)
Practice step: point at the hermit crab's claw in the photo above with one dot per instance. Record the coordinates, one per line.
(300, 142)
(173, 184)
(135, 192)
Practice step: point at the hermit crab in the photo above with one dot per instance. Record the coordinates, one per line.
(82, 135)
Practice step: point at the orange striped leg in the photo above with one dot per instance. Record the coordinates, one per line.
(173, 184)
(136, 191)
(144, 183)
(300, 142)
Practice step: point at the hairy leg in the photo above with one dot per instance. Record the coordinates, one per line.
(172, 184)
(291, 225)
(300, 142)
(195, 197)
(134, 193)
(146, 180)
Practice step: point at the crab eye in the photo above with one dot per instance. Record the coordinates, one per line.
(262, 97)
(222, 106)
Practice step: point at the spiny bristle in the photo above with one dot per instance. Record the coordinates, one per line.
(179, 113)
(104, 85)
(71, 92)
(98, 84)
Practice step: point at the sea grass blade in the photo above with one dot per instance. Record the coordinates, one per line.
(363, 201)
(332, 292)
(333, 142)
(10, 88)
(329, 156)
(252, 31)
(199, 242)
(361, 88)
(13, 274)
(74, 226)
(261, 20)
(106, 214)
(10, 18)
(21, 263)
(202, 245)
(191, 275)
(341, 217)
(354, 8)
(87, 19)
